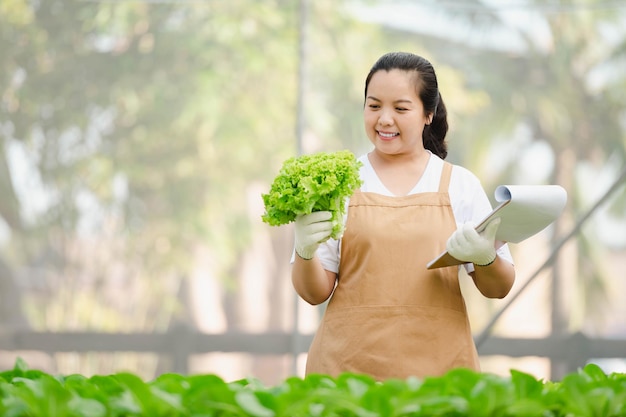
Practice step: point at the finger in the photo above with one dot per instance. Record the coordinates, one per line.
(320, 227)
(319, 216)
(451, 246)
(469, 232)
(492, 228)
(321, 236)
(465, 235)
(315, 217)
(455, 241)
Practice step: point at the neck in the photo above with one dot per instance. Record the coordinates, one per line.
(412, 158)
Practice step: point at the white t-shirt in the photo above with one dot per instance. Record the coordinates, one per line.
(467, 198)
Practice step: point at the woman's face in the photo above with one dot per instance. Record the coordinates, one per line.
(394, 114)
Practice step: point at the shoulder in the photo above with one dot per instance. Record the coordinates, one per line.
(464, 178)
(461, 177)
(467, 195)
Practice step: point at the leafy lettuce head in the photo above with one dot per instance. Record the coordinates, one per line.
(316, 182)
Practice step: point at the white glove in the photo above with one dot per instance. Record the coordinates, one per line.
(311, 230)
(467, 245)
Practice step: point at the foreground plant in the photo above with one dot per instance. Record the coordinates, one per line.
(461, 392)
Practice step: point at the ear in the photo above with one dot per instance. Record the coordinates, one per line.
(430, 118)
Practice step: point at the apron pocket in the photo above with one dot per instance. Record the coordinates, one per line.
(393, 342)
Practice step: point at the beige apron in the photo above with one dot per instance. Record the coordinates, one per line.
(389, 316)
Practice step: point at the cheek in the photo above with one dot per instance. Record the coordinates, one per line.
(369, 118)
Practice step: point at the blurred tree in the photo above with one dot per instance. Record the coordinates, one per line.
(130, 133)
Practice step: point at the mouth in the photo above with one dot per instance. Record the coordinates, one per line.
(387, 135)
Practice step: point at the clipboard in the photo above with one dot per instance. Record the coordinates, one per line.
(524, 210)
(445, 259)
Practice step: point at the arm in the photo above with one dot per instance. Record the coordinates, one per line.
(495, 280)
(311, 281)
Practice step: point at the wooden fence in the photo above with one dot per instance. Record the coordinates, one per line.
(573, 351)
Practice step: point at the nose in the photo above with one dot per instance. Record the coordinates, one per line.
(385, 119)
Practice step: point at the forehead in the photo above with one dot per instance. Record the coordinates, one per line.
(393, 84)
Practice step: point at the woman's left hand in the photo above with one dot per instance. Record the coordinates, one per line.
(467, 245)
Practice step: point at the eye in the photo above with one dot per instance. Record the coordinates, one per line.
(374, 106)
(401, 109)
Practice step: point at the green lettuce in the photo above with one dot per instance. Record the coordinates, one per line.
(316, 182)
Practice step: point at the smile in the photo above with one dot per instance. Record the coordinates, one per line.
(385, 135)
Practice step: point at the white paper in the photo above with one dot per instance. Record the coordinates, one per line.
(528, 210)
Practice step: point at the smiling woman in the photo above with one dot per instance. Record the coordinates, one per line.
(387, 315)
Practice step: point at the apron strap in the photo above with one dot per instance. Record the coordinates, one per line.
(444, 182)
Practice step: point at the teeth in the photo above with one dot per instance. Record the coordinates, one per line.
(387, 135)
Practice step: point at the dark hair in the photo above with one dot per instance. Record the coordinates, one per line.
(427, 90)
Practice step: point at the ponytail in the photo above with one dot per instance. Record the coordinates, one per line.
(435, 133)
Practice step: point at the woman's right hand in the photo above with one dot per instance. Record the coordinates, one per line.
(311, 230)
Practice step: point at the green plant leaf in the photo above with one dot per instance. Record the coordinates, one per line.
(250, 403)
(210, 392)
(356, 385)
(44, 396)
(526, 408)
(86, 407)
(20, 365)
(525, 385)
(594, 372)
(124, 404)
(151, 401)
(173, 383)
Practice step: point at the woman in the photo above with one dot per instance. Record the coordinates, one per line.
(388, 316)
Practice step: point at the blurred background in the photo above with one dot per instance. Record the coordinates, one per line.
(138, 137)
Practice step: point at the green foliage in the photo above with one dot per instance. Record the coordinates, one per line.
(308, 183)
(137, 123)
(460, 392)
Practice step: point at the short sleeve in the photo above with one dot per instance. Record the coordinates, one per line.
(328, 254)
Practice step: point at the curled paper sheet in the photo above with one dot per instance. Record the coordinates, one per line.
(524, 210)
